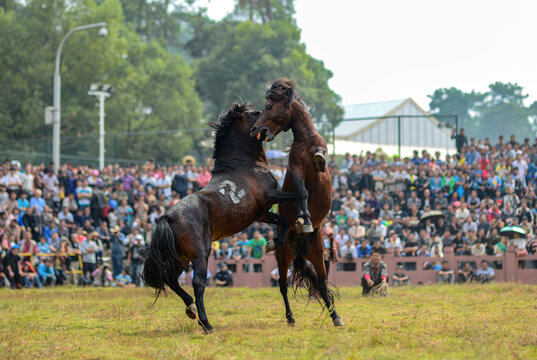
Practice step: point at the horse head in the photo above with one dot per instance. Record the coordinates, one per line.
(233, 133)
(277, 114)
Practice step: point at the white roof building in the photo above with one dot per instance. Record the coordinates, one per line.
(379, 129)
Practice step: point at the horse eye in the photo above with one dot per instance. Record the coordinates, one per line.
(268, 107)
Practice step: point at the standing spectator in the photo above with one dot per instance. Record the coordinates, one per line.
(256, 246)
(446, 275)
(88, 249)
(84, 194)
(12, 267)
(136, 258)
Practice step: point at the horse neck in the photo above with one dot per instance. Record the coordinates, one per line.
(241, 154)
(301, 123)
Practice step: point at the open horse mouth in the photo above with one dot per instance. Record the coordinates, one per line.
(262, 133)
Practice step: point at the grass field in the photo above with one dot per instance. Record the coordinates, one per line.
(463, 322)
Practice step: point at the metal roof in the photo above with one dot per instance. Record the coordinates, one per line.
(374, 110)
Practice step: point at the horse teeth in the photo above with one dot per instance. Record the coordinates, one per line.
(258, 136)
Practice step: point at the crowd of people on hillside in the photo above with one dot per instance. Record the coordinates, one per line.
(49, 221)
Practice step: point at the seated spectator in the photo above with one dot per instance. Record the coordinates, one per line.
(423, 251)
(102, 276)
(47, 275)
(400, 278)
(275, 277)
(466, 274)
(377, 246)
(364, 249)
(348, 251)
(124, 280)
(485, 273)
(225, 252)
(375, 273)
(29, 275)
(445, 275)
(224, 277)
(410, 247)
(478, 249)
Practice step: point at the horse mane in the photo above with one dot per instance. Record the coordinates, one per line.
(283, 89)
(224, 123)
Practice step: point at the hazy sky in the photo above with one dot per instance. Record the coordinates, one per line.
(391, 49)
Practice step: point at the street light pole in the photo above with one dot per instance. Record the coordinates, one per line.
(57, 94)
(102, 95)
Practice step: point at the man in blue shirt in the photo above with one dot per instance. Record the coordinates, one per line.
(485, 273)
(46, 272)
(38, 202)
(364, 249)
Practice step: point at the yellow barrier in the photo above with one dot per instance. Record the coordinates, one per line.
(56, 255)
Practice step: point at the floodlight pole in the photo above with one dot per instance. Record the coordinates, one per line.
(102, 95)
(57, 96)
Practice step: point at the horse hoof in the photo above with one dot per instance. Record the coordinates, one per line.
(191, 311)
(270, 246)
(338, 322)
(291, 323)
(299, 224)
(208, 331)
(307, 229)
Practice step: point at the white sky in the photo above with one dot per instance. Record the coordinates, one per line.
(391, 49)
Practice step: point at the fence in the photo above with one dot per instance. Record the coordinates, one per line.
(509, 267)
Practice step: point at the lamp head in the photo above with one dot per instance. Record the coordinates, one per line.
(103, 32)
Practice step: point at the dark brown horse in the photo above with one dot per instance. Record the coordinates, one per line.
(308, 175)
(241, 191)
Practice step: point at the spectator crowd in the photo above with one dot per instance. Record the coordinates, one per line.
(107, 216)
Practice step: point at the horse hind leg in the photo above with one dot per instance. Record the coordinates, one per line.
(284, 258)
(191, 309)
(198, 282)
(316, 259)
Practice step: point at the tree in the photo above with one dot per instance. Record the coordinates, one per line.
(503, 111)
(249, 55)
(452, 101)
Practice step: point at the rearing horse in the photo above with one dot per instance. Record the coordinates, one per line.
(307, 175)
(241, 191)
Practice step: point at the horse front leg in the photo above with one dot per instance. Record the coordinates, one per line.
(283, 226)
(198, 283)
(303, 218)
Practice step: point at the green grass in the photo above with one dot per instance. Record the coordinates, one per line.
(463, 322)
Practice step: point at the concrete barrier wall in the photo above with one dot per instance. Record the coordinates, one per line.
(509, 267)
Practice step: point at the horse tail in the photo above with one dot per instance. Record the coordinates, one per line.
(304, 275)
(162, 263)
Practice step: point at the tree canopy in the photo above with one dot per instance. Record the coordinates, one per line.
(171, 67)
(498, 111)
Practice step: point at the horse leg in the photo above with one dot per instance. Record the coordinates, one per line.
(191, 309)
(316, 258)
(303, 221)
(319, 158)
(198, 282)
(284, 258)
(282, 223)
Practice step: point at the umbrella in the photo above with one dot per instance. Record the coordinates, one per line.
(276, 154)
(512, 231)
(431, 215)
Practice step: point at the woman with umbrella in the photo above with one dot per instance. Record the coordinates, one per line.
(517, 235)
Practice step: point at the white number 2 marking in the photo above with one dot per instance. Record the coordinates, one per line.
(235, 198)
